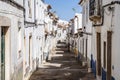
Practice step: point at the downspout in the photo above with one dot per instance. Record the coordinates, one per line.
(112, 3)
(24, 11)
(35, 12)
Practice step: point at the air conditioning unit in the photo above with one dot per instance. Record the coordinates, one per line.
(94, 10)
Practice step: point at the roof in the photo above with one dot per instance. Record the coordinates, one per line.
(80, 2)
(49, 7)
(62, 24)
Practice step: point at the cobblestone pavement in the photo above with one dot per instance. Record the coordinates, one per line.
(62, 66)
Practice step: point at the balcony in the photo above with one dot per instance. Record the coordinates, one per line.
(94, 11)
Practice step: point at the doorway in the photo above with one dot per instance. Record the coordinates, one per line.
(3, 51)
(109, 50)
(30, 52)
(99, 54)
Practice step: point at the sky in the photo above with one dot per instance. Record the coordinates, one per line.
(65, 9)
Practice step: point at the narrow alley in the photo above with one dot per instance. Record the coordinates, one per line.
(62, 65)
(59, 39)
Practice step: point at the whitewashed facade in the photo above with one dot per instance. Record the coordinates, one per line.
(41, 10)
(104, 41)
(29, 39)
(34, 35)
(77, 22)
(74, 38)
(77, 25)
(23, 25)
(62, 30)
(86, 42)
(110, 39)
(11, 39)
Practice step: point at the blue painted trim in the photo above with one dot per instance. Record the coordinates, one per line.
(93, 65)
(103, 74)
(113, 78)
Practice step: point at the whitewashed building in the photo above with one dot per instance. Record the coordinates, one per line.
(74, 38)
(61, 30)
(86, 41)
(29, 39)
(23, 25)
(35, 22)
(104, 16)
(77, 38)
(107, 37)
(41, 9)
(11, 39)
(51, 30)
(77, 22)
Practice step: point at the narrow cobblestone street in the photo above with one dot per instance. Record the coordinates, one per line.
(62, 66)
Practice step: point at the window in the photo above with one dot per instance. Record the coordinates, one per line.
(94, 10)
(92, 7)
(30, 8)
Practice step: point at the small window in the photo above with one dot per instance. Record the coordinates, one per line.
(30, 8)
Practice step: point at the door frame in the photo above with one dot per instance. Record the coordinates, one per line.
(7, 52)
(6, 22)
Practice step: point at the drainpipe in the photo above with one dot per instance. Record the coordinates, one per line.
(35, 13)
(109, 4)
(24, 11)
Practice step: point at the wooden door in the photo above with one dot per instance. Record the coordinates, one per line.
(99, 54)
(86, 48)
(109, 49)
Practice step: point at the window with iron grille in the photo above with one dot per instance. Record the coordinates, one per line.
(94, 7)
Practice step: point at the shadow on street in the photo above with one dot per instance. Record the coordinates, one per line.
(62, 66)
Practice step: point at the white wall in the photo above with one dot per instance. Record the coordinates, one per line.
(19, 2)
(116, 46)
(112, 24)
(77, 22)
(75, 25)
(13, 59)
